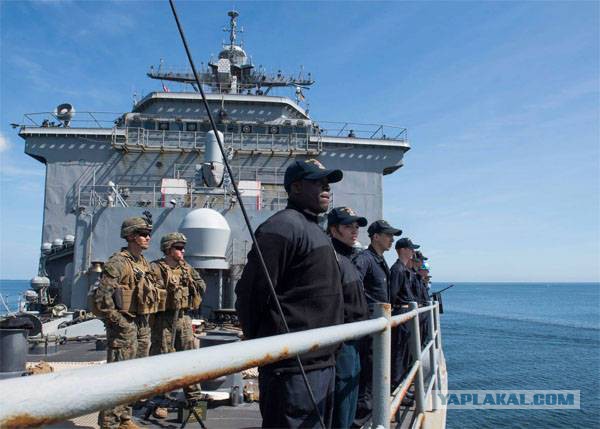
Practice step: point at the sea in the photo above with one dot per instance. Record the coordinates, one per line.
(509, 336)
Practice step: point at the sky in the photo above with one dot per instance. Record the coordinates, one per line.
(501, 101)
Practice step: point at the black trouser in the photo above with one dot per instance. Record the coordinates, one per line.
(400, 352)
(347, 378)
(424, 321)
(285, 402)
(364, 404)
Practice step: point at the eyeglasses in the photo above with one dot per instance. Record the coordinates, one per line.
(144, 234)
(180, 248)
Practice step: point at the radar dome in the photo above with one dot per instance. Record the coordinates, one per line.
(208, 234)
(57, 244)
(69, 240)
(39, 282)
(235, 54)
(46, 248)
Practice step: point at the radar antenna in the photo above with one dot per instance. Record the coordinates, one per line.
(265, 270)
(233, 30)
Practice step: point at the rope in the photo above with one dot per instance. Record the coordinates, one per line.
(243, 208)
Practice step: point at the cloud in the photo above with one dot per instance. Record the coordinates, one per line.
(3, 143)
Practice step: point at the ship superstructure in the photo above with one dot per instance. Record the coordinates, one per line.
(160, 160)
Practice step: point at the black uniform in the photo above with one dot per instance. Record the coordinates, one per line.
(421, 296)
(304, 270)
(375, 275)
(347, 368)
(402, 286)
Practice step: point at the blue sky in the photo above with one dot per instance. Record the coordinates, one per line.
(501, 100)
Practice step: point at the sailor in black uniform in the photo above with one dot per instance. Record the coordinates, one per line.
(303, 267)
(342, 225)
(375, 275)
(403, 291)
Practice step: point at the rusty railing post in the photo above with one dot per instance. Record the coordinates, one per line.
(382, 368)
(415, 343)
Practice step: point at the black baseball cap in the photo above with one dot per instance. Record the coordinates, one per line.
(382, 227)
(309, 169)
(344, 216)
(405, 243)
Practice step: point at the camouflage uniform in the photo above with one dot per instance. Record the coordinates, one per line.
(127, 333)
(173, 280)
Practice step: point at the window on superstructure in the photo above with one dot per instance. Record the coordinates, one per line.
(191, 126)
(163, 126)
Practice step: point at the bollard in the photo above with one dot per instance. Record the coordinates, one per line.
(382, 369)
(415, 343)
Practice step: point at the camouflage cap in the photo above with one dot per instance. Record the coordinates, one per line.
(170, 239)
(134, 224)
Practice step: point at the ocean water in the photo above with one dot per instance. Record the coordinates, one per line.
(530, 336)
(534, 336)
(10, 291)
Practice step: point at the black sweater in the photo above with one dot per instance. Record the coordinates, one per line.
(303, 268)
(355, 302)
(375, 275)
(402, 284)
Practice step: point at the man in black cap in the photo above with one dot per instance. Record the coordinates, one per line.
(401, 279)
(421, 294)
(375, 275)
(342, 226)
(304, 271)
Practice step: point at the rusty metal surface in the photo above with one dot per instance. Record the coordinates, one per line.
(382, 370)
(401, 390)
(403, 318)
(44, 399)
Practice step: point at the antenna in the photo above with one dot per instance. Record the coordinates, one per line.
(243, 208)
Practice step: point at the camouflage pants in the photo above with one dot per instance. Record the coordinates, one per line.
(127, 338)
(144, 335)
(162, 337)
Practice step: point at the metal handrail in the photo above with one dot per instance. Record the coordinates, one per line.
(151, 196)
(363, 130)
(54, 397)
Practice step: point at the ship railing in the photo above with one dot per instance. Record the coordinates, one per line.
(254, 173)
(361, 130)
(189, 196)
(47, 398)
(80, 120)
(143, 139)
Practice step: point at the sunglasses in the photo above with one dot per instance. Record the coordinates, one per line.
(179, 248)
(144, 234)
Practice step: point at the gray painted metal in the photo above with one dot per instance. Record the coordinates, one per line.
(13, 350)
(208, 233)
(382, 369)
(164, 137)
(415, 344)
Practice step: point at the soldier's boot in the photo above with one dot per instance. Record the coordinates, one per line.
(129, 424)
(160, 413)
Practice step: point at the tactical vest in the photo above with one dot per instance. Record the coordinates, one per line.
(137, 292)
(180, 287)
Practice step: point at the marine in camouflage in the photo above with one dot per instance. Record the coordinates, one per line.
(125, 286)
(172, 328)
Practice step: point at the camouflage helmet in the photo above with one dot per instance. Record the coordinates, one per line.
(134, 224)
(170, 239)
